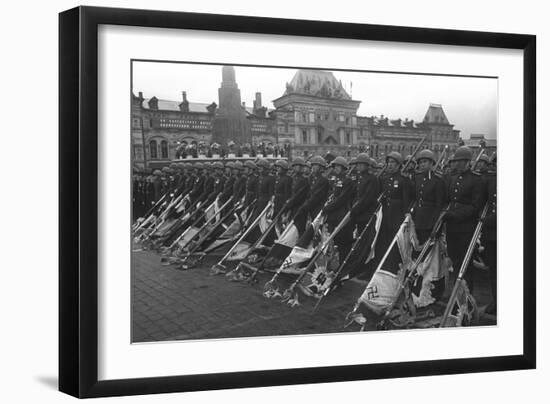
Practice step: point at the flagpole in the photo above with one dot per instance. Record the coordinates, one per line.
(464, 267)
(245, 233)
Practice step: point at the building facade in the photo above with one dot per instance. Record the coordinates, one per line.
(160, 127)
(314, 115)
(385, 135)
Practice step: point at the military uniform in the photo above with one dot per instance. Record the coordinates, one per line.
(198, 188)
(395, 205)
(217, 189)
(239, 187)
(465, 196)
(189, 183)
(149, 193)
(266, 185)
(174, 181)
(337, 207)
(300, 190)
(180, 186)
(430, 198)
(158, 189)
(227, 189)
(367, 189)
(489, 237)
(208, 188)
(165, 186)
(282, 191)
(396, 201)
(251, 189)
(318, 189)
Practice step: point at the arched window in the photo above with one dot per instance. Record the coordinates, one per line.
(153, 149)
(304, 136)
(164, 149)
(348, 138)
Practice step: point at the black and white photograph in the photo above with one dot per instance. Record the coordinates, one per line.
(276, 201)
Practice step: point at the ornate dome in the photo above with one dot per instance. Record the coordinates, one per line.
(318, 83)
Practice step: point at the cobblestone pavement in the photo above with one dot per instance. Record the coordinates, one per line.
(171, 304)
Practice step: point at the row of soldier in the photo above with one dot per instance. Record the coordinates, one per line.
(422, 188)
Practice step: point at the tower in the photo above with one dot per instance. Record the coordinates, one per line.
(230, 122)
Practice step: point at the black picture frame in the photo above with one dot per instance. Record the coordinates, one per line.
(78, 196)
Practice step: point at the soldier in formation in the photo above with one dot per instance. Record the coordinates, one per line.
(414, 186)
(465, 196)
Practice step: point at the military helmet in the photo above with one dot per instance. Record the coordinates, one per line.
(157, 172)
(230, 164)
(426, 154)
(217, 164)
(363, 158)
(462, 153)
(340, 161)
(251, 165)
(353, 161)
(238, 165)
(198, 166)
(411, 158)
(207, 165)
(485, 158)
(318, 160)
(173, 165)
(298, 161)
(329, 157)
(263, 163)
(282, 163)
(396, 156)
(166, 169)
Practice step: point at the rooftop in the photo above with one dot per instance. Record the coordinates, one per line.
(318, 83)
(435, 114)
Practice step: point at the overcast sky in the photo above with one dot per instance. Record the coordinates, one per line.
(469, 103)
